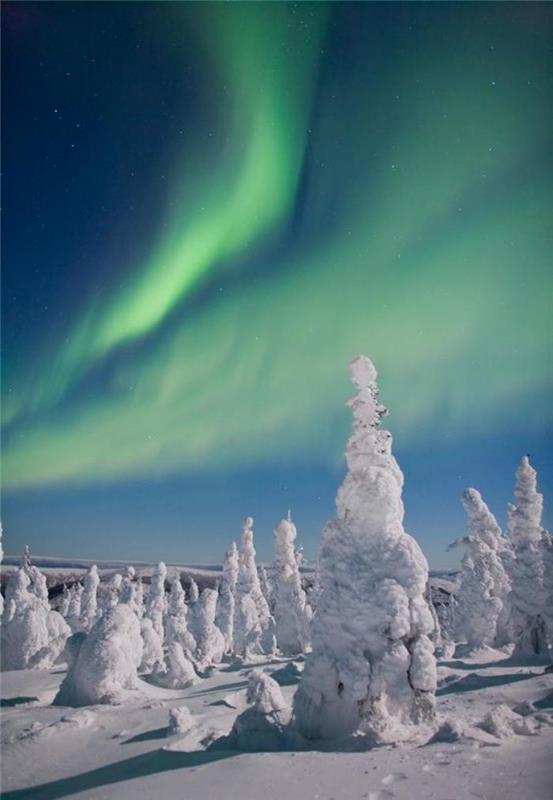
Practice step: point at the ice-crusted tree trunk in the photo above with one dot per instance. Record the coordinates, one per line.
(89, 599)
(155, 603)
(484, 582)
(372, 669)
(225, 604)
(291, 611)
(527, 598)
(248, 584)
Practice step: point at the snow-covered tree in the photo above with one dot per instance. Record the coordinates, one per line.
(193, 608)
(33, 634)
(262, 726)
(89, 599)
(155, 602)
(527, 598)
(193, 592)
(266, 586)
(152, 660)
(128, 594)
(106, 665)
(112, 592)
(65, 600)
(176, 621)
(181, 672)
(74, 609)
(248, 584)
(211, 643)
(372, 667)
(292, 614)
(225, 605)
(484, 583)
(25, 636)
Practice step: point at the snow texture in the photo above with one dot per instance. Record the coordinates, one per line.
(89, 600)
(372, 668)
(155, 604)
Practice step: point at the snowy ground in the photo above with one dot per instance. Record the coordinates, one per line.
(125, 751)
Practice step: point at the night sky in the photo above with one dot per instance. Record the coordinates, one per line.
(209, 209)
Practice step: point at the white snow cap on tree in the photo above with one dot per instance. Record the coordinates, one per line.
(484, 583)
(290, 605)
(89, 599)
(211, 644)
(372, 667)
(155, 603)
(225, 604)
(528, 594)
(105, 667)
(248, 583)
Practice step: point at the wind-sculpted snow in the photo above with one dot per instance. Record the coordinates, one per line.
(106, 665)
(372, 668)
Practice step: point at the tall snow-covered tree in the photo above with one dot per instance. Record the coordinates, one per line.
(226, 602)
(248, 584)
(176, 622)
(484, 582)
(527, 598)
(266, 586)
(211, 643)
(372, 669)
(291, 611)
(155, 602)
(112, 591)
(74, 609)
(89, 599)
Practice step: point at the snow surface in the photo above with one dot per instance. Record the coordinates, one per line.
(128, 751)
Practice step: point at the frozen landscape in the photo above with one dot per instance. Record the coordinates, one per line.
(364, 677)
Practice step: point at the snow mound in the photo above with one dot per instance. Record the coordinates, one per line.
(503, 723)
(450, 730)
(264, 693)
(180, 720)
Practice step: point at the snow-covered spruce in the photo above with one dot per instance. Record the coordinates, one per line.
(193, 608)
(105, 667)
(33, 635)
(224, 618)
(527, 598)
(484, 583)
(292, 614)
(152, 660)
(372, 669)
(266, 586)
(65, 600)
(111, 593)
(129, 594)
(176, 623)
(211, 644)
(248, 585)
(89, 599)
(181, 673)
(74, 609)
(25, 637)
(155, 601)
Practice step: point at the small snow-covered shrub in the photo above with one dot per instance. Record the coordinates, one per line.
(181, 673)
(263, 727)
(105, 667)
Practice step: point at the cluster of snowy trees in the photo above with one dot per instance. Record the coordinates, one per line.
(368, 626)
(505, 593)
(110, 632)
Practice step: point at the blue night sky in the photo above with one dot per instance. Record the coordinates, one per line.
(209, 209)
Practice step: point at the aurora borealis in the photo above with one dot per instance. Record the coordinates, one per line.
(212, 207)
